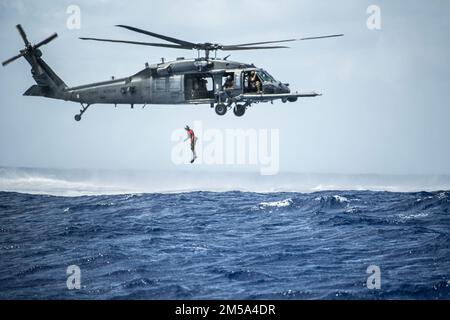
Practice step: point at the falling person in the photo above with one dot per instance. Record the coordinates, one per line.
(193, 138)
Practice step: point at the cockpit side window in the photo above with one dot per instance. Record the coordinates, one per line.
(265, 76)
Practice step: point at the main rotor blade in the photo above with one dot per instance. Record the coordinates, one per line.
(287, 40)
(164, 45)
(322, 37)
(160, 36)
(4, 63)
(45, 41)
(263, 42)
(23, 35)
(234, 48)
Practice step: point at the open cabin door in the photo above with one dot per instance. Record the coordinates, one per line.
(198, 87)
(232, 82)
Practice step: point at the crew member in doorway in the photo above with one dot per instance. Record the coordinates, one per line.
(254, 83)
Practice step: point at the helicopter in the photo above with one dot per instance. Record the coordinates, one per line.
(221, 83)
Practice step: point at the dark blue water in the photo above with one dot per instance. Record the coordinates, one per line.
(205, 245)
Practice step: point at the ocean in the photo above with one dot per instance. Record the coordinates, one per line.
(228, 244)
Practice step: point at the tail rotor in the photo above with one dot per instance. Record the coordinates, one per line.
(29, 48)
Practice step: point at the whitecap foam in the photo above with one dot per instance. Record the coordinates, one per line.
(413, 216)
(109, 182)
(278, 204)
(340, 199)
(337, 198)
(61, 187)
(442, 195)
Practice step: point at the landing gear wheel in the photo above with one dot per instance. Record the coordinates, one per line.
(221, 109)
(83, 110)
(239, 110)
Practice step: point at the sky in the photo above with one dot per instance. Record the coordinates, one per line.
(384, 108)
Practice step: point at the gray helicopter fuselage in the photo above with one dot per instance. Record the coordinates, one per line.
(175, 82)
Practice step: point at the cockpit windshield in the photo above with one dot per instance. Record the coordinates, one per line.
(266, 77)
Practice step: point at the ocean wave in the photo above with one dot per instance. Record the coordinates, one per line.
(202, 245)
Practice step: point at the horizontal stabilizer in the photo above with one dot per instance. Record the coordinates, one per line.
(36, 90)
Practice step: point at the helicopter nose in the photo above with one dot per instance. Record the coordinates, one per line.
(284, 87)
